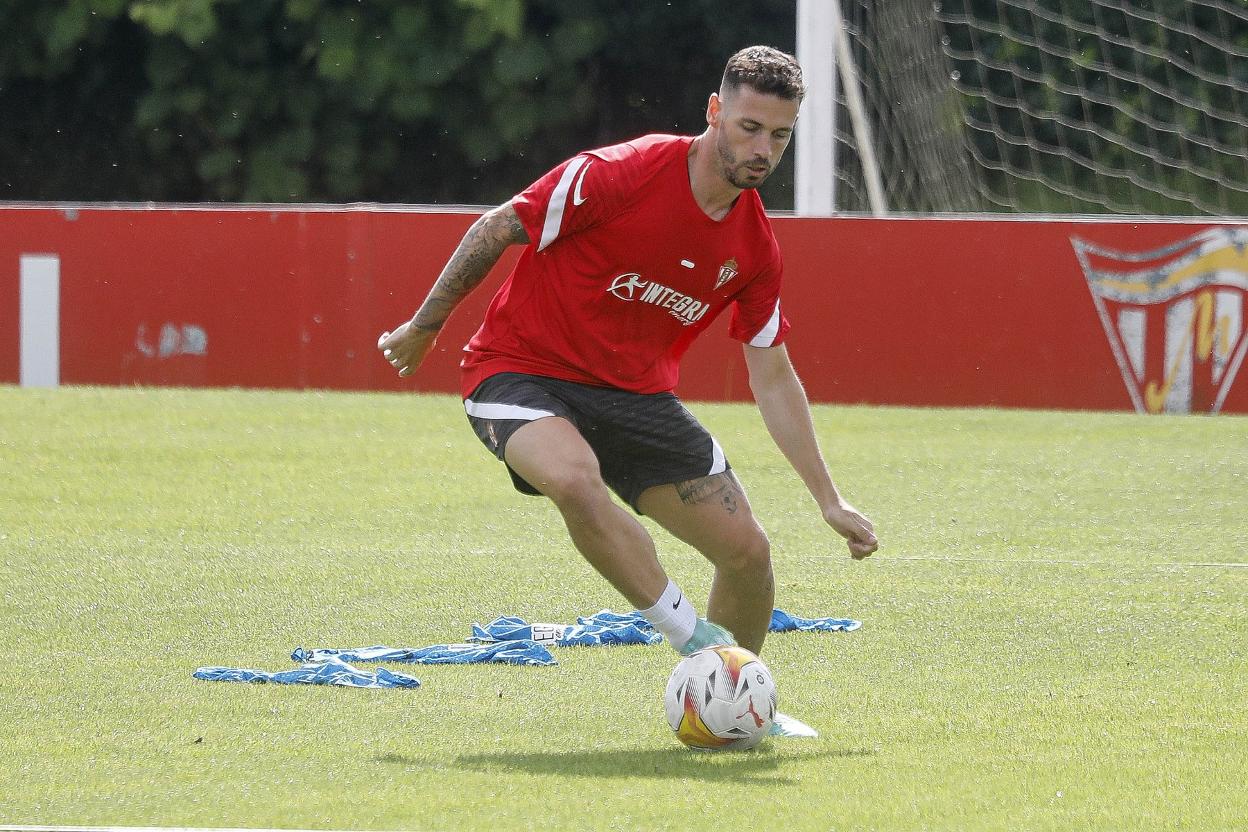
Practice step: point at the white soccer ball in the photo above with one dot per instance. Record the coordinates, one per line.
(721, 699)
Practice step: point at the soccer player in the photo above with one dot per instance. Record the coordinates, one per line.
(630, 252)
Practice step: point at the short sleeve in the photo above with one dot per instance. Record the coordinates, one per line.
(576, 195)
(757, 319)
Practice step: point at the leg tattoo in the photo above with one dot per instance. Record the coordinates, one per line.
(720, 488)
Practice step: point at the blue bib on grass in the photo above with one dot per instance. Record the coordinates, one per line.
(331, 671)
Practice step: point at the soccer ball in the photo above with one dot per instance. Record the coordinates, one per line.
(721, 699)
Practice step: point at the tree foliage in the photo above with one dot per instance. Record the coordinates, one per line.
(345, 100)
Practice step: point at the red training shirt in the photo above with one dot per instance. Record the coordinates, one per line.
(624, 270)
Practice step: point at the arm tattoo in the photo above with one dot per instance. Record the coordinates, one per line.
(473, 258)
(717, 488)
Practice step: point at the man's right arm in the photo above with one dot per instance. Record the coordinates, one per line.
(406, 347)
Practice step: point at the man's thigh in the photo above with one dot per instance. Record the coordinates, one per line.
(552, 457)
(508, 403)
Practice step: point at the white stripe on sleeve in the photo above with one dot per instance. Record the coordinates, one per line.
(559, 202)
(766, 336)
(495, 410)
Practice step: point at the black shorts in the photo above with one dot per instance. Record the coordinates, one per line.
(641, 440)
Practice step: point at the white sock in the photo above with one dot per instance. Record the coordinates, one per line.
(673, 615)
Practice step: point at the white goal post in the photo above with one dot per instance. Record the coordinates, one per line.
(819, 24)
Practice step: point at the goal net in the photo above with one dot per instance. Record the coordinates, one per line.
(1053, 106)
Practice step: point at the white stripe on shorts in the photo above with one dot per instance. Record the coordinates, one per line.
(718, 463)
(495, 410)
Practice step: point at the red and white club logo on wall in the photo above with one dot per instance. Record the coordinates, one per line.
(1174, 317)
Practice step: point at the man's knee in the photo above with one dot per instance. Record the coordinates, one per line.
(573, 485)
(749, 554)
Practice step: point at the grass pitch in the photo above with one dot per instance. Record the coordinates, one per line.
(1055, 629)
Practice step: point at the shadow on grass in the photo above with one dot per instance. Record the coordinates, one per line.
(763, 765)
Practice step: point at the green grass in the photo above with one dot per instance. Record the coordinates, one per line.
(1049, 641)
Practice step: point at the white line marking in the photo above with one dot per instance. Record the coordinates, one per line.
(147, 829)
(40, 316)
(1050, 561)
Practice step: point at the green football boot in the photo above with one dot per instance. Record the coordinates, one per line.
(786, 726)
(705, 634)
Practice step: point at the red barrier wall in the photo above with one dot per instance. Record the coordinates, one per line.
(953, 312)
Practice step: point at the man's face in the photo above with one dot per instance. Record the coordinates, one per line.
(752, 131)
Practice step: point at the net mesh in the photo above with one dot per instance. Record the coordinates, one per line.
(1058, 106)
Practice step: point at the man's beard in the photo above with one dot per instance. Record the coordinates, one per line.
(736, 173)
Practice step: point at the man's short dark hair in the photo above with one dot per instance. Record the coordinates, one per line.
(765, 70)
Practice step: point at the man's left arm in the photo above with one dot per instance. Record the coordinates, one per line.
(786, 413)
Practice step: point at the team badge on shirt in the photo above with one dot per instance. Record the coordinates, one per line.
(727, 272)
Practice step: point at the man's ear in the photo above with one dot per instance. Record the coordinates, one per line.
(713, 108)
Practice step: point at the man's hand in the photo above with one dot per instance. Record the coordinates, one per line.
(406, 347)
(857, 530)
(476, 254)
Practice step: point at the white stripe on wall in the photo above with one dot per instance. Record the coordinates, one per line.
(1131, 329)
(558, 203)
(1180, 320)
(766, 336)
(40, 320)
(494, 410)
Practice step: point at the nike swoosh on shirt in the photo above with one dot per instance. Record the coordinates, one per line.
(577, 199)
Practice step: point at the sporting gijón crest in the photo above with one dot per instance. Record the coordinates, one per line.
(726, 272)
(1174, 317)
